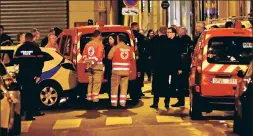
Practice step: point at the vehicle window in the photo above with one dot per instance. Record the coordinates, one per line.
(230, 50)
(67, 46)
(87, 37)
(6, 57)
(63, 42)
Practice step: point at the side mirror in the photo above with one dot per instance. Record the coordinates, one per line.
(240, 74)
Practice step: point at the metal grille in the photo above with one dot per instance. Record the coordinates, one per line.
(21, 16)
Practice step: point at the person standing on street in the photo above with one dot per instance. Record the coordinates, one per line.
(183, 43)
(121, 55)
(165, 61)
(140, 47)
(150, 35)
(200, 27)
(21, 38)
(112, 41)
(93, 55)
(29, 57)
(36, 36)
(52, 42)
(4, 37)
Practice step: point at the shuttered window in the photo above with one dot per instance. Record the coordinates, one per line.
(21, 16)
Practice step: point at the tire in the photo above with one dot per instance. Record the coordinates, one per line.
(195, 108)
(237, 124)
(50, 94)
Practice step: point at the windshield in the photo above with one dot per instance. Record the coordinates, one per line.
(230, 50)
(87, 37)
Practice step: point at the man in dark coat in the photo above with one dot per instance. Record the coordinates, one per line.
(29, 57)
(165, 61)
(140, 45)
(183, 43)
(4, 37)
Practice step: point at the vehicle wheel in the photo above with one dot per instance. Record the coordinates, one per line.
(237, 124)
(195, 109)
(50, 94)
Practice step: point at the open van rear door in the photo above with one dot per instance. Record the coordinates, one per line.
(68, 44)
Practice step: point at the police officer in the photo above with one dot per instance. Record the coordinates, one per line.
(121, 55)
(30, 60)
(93, 55)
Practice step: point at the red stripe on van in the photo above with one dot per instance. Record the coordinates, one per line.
(223, 68)
(209, 67)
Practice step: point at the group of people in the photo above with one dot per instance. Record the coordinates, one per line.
(50, 41)
(120, 55)
(167, 53)
(30, 59)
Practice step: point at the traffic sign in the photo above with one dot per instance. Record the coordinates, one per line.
(130, 3)
(165, 4)
(130, 11)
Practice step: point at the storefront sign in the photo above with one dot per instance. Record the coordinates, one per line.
(130, 11)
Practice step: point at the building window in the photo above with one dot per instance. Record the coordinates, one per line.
(101, 4)
(149, 6)
(143, 5)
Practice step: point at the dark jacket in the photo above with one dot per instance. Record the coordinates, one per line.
(107, 63)
(5, 37)
(29, 57)
(140, 45)
(44, 42)
(186, 50)
(165, 59)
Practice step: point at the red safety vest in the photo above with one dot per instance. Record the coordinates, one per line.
(94, 53)
(121, 59)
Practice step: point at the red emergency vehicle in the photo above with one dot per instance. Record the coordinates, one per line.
(217, 57)
(72, 43)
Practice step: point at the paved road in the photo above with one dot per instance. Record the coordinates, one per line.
(139, 120)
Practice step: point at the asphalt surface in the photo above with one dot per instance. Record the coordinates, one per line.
(139, 120)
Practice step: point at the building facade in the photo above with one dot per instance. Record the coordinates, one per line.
(71, 13)
(207, 10)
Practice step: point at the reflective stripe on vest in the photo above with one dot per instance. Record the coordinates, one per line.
(121, 60)
(120, 68)
(121, 64)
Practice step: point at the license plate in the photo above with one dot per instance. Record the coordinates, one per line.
(223, 81)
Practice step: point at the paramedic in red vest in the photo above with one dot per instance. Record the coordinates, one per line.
(93, 55)
(121, 55)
